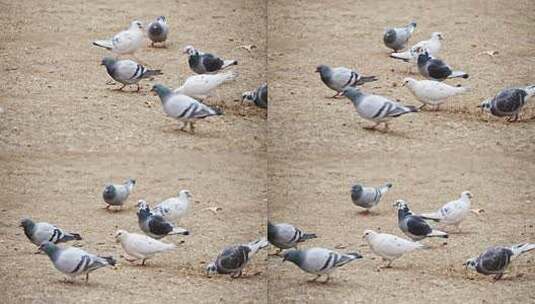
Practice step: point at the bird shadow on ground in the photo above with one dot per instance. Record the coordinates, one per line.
(387, 132)
(366, 213)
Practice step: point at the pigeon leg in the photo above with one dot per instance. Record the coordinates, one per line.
(110, 82)
(121, 88)
(338, 94)
(129, 259)
(371, 127)
(498, 276)
(107, 207)
(327, 280)
(152, 44)
(236, 275)
(184, 124)
(191, 127)
(387, 128)
(513, 118)
(422, 106)
(138, 87)
(437, 107)
(143, 262)
(316, 278)
(87, 278)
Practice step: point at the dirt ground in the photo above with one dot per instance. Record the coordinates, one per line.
(64, 133)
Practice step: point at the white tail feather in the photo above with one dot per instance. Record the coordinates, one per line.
(257, 245)
(178, 230)
(107, 44)
(458, 74)
(438, 233)
(403, 55)
(227, 63)
(522, 248)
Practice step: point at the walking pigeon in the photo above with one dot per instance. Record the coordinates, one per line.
(338, 79)
(397, 38)
(436, 69)
(452, 213)
(432, 93)
(116, 194)
(158, 30)
(368, 197)
(432, 46)
(414, 226)
(127, 71)
(174, 208)
(125, 42)
(388, 246)
(284, 236)
(202, 86)
(38, 233)
(259, 96)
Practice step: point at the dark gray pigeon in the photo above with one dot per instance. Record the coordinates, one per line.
(436, 69)
(414, 226)
(38, 233)
(284, 236)
(338, 79)
(158, 30)
(368, 197)
(397, 38)
(74, 261)
(233, 259)
(495, 260)
(202, 63)
(116, 194)
(319, 261)
(508, 102)
(127, 71)
(155, 226)
(258, 96)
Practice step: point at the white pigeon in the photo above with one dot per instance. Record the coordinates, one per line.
(174, 208)
(431, 92)
(125, 42)
(204, 85)
(432, 46)
(388, 246)
(454, 212)
(139, 246)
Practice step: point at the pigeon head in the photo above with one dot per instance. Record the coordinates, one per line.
(412, 24)
(120, 235)
(322, 69)
(130, 183)
(400, 205)
(161, 90)
(437, 36)
(485, 105)
(293, 256)
(136, 25)
(185, 193)
(108, 61)
(368, 234)
(408, 81)
(190, 50)
(467, 194)
(48, 247)
(211, 269)
(142, 204)
(247, 96)
(471, 263)
(356, 191)
(161, 18)
(27, 224)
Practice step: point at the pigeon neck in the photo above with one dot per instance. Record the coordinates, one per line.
(403, 212)
(422, 59)
(51, 250)
(143, 214)
(28, 229)
(356, 97)
(163, 92)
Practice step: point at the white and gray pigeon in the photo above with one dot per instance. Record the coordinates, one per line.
(338, 79)
(140, 247)
(38, 233)
(174, 208)
(432, 46)
(319, 261)
(127, 71)
(388, 246)
(182, 107)
(285, 236)
(259, 96)
(452, 213)
(376, 108)
(432, 93)
(436, 69)
(157, 31)
(496, 260)
(125, 42)
(202, 63)
(117, 194)
(415, 226)
(156, 226)
(73, 261)
(204, 85)
(233, 259)
(396, 38)
(508, 102)
(368, 197)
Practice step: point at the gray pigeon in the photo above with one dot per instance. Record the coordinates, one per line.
(182, 107)
(116, 194)
(436, 69)
(233, 259)
(338, 79)
(258, 96)
(74, 261)
(397, 38)
(368, 197)
(495, 260)
(508, 102)
(376, 108)
(155, 226)
(158, 30)
(127, 71)
(284, 236)
(319, 261)
(415, 226)
(202, 63)
(38, 233)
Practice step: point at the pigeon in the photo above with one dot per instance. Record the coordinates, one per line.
(139, 246)
(259, 96)
(174, 208)
(127, 71)
(158, 30)
(397, 38)
(508, 102)
(436, 69)
(368, 197)
(74, 261)
(414, 226)
(284, 236)
(495, 260)
(388, 246)
(432, 46)
(38, 233)
(202, 63)
(125, 42)
(155, 226)
(202, 86)
(233, 259)
(452, 213)
(182, 107)
(376, 108)
(319, 261)
(432, 93)
(116, 194)
(338, 79)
